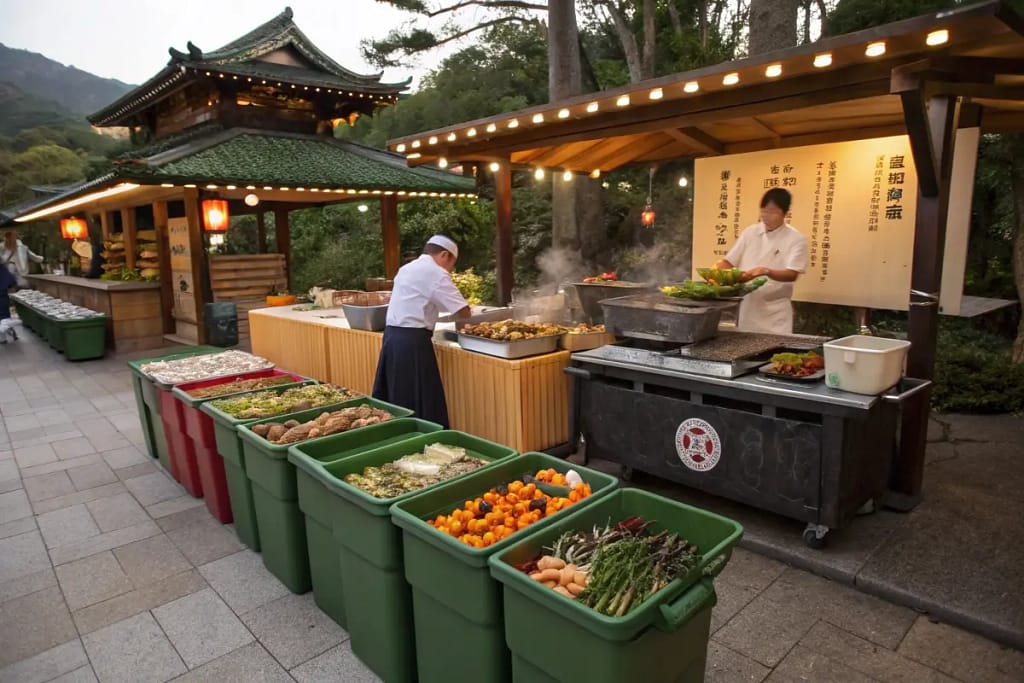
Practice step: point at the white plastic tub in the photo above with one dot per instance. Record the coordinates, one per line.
(863, 364)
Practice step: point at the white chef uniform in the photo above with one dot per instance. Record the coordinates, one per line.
(769, 308)
(423, 290)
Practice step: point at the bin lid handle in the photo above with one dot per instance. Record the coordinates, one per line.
(673, 615)
(916, 385)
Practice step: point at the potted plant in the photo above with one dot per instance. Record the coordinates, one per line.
(280, 298)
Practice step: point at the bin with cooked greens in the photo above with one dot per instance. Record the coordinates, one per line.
(261, 404)
(436, 463)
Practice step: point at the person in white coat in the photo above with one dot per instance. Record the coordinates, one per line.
(773, 249)
(14, 256)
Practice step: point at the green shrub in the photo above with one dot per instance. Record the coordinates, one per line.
(974, 372)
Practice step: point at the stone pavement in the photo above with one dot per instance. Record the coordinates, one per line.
(109, 571)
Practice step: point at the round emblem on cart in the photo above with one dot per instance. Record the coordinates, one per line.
(698, 445)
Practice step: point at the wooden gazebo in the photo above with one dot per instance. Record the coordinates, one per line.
(923, 77)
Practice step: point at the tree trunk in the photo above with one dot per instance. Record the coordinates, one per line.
(1017, 184)
(628, 41)
(565, 80)
(772, 25)
(650, 36)
(673, 15)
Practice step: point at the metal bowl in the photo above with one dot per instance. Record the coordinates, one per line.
(369, 318)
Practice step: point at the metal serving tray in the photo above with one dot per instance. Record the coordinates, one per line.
(510, 349)
(651, 317)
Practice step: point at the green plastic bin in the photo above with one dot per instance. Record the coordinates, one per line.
(229, 447)
(318, 503)
(275, 495)
(554, 639)
(377, 599)
(457, 605)
(84, 339)
(148, 402)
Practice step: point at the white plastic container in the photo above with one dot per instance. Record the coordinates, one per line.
(863, 364)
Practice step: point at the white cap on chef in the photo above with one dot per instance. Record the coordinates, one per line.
(445, 243)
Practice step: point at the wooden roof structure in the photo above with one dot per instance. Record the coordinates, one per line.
(841, 88)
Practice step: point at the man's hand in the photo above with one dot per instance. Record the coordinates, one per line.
(748, 275)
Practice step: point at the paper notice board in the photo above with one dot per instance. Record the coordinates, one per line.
(855, 202)
(182, 280)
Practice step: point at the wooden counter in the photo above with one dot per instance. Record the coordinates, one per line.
(522, 403)
(132, 308)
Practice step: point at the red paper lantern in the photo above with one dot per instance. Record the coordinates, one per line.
(73, 228)
(647, 217)
(215, 215)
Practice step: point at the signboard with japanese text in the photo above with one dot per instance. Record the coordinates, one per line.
(182, 283)
(855, 202)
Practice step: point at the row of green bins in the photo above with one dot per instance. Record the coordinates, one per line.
(377, 599)
(275, 494)
(318, 501)
(229, 448)
(84, 339)
(51, 333)
(457, 605)
(149, 410)
(556, 640)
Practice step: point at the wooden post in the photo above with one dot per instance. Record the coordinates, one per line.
(932, 134)
(197, 249)
(105, 224)
(503, 234)
(283, 237)
(164, 256)
(389, 231)
(261, 233)
(128, 235)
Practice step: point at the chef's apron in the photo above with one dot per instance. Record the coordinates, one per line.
(407, 374)
(768, 309)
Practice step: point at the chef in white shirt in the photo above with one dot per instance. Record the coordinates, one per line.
(774, 249)
(407, 373)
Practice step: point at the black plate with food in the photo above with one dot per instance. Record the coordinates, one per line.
(768, 370)
(808, 366)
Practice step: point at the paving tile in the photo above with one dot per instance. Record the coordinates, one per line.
(765, 630)
(147, 467)
(251, 663)
(205, 541)
(201, 627)
(10, 485)
(17, 527)
(752, 570)
(80, 675)
(242, 581)
(91, 476)
(961, 654)
(864, 615)
(727, 666)
(124, 421)
(32, 624)
(80, 408)
(20, 555)
(93, 579)
(48, 486)
(107, 541)
(79, 497)
(134, 649)
(120, 458)
(151, 559)
(95, 426)
(116, 512)
(868, 658)
(185, 518)
(16, 423)
(28, 583)
(173, 505)
(67, 525)
(107, 442)
(47, 665)
(153, 488)
(293, 629)
(40, 454)
(9, 470)
(731, 599)
(337, 664)
(142, 599)
(78, 461)
(14, 505)
(802, 665)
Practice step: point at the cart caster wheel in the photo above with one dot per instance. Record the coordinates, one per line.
(626, 473)
(814, 536)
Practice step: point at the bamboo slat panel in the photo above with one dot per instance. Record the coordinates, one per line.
(296, 345)
(353, 357)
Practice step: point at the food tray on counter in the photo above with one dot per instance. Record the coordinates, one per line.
(519, 348)
(768, 370)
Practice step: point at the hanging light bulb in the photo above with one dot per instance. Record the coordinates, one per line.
(539, 174)
(567, 176)
(442, 163)
(647, 216)
(683, 181)
(495, 167)
(596, 173)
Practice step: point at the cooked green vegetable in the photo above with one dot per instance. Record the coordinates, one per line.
(413, 472)
(240, 385)
(262, 404)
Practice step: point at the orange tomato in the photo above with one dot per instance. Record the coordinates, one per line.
(489, 538)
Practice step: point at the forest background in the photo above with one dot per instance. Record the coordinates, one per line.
(519, 53)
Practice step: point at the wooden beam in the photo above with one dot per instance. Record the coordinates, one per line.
(105, 225)
(197, 255)
(915, 115)
(563, 156)
(634, 151)
(925, 282)
(283, 238)
(822, 138)
(503, 253)
(609, 149)
(164, 256)
(128, 235)
(261, 232)
(772, 133)
(694, 136)
(986, 91)
(390, 235)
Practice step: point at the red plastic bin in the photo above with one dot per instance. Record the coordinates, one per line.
(182, 451)
(198, 427)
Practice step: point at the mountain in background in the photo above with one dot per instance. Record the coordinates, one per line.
(74, 90)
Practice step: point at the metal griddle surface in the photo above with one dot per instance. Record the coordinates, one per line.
(732, 346)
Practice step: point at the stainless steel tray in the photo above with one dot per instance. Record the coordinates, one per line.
(510, 349)
(650, 317)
